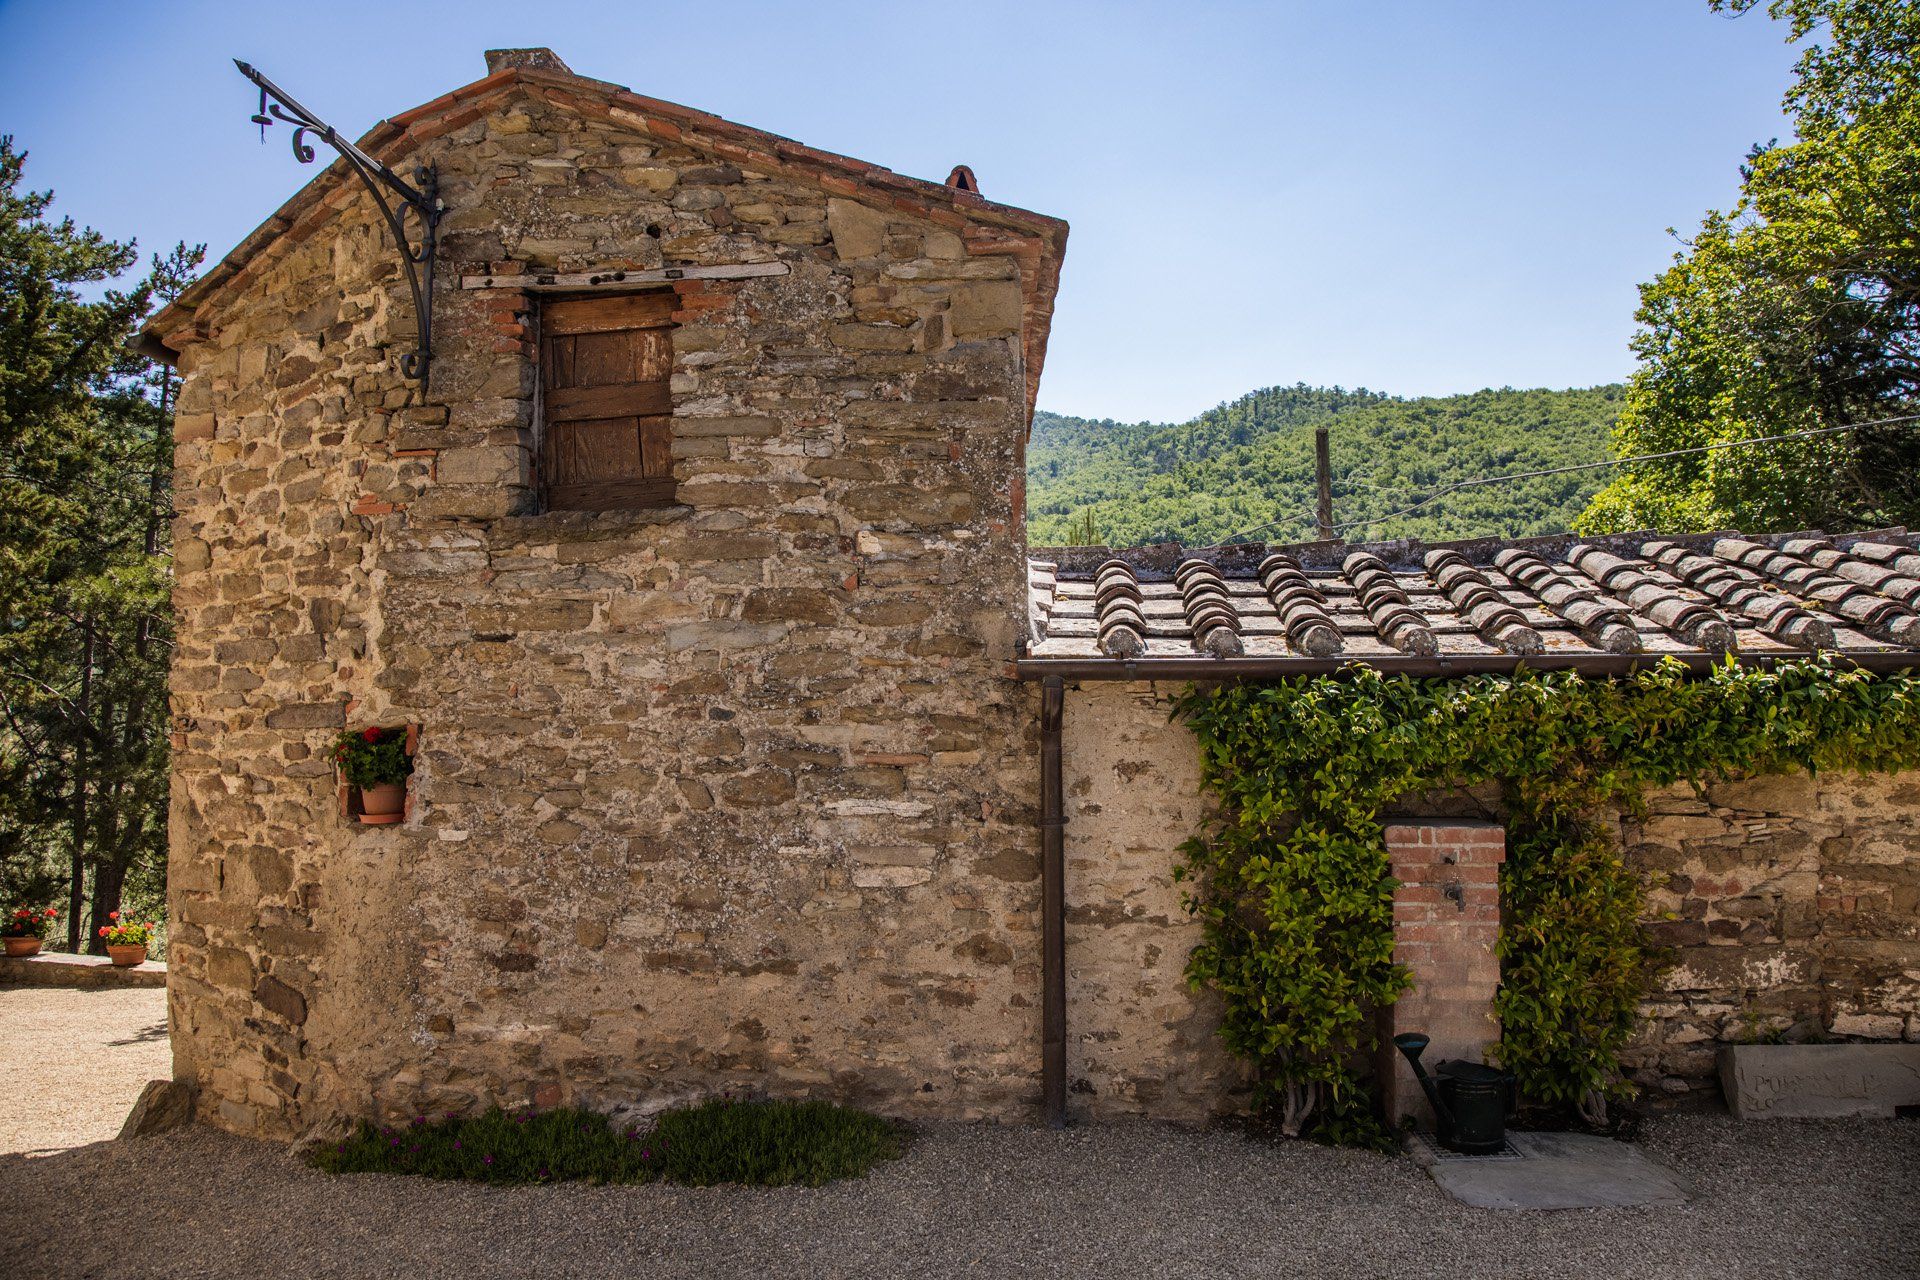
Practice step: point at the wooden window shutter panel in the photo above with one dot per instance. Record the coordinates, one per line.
(605, 369)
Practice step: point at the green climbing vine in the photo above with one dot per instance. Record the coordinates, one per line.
(1291, 882)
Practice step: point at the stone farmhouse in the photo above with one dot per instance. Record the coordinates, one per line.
(753, 749)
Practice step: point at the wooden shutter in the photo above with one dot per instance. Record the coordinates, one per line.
(605, 362)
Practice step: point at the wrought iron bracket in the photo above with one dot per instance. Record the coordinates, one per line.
(386, 187)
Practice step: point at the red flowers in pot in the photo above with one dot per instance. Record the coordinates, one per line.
(127, 940)
(26, 928)
(375, 763)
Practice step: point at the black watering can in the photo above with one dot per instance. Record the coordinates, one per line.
(1470, 1099)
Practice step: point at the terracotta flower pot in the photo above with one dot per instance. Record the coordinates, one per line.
(126, 957)
(22, 947)
(383, 803)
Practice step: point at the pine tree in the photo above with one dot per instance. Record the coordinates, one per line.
(84, 433)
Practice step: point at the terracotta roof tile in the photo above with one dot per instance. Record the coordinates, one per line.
(1602, 604)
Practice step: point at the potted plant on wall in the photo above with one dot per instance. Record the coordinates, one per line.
(374, 763)
(26, 929)
(126, 940)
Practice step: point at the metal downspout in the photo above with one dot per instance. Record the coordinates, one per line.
(1053, 907)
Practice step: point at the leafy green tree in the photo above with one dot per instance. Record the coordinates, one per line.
(84, 501)
(1797, 309)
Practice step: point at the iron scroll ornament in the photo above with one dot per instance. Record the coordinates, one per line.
(383, 185)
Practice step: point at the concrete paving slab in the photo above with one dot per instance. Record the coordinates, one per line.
(1560, 1171)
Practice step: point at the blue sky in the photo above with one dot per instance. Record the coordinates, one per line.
(1412, 196)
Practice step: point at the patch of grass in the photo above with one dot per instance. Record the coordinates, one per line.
(762, 1143)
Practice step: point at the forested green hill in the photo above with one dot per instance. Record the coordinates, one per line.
(1251, 461)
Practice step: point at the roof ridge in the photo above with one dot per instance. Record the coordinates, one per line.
(839, 174)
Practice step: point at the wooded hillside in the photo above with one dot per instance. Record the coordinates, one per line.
(1251, 461)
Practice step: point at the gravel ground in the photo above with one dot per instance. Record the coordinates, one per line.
(1786, 1199)
(72, 1063)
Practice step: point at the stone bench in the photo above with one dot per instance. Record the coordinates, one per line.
(59, 969)
(1819, 1081)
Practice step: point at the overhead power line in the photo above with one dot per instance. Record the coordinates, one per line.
(1480, 481)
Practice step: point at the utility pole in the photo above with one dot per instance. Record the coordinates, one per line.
(1323, 486)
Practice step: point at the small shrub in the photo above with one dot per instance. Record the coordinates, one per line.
(769, 1144)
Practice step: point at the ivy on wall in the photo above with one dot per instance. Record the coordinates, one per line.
(1291, 883)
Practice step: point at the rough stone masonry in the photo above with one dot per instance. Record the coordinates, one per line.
(735, 792)
(726, 793)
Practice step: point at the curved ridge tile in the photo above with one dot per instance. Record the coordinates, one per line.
(1743, 591)
(1392, 614)
(1042, 588)
(1698, 625)
(1891, 554)
(1210, 611)
(1890, 581)
(1476, 600)
(1607, 626)
(1874, 613)
(1121, 626)
(1300, 605)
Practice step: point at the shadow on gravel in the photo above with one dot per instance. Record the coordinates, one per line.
(145, 1035)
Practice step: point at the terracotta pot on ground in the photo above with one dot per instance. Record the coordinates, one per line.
(126, 957)
(22, 947)
(383, 803)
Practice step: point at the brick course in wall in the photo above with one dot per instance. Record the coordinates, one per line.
(1446, 922)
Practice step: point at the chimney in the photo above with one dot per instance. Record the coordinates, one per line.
(537, 59)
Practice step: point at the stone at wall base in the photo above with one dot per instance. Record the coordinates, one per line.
(1819, 1081)
(163, 1105)
(60, 969)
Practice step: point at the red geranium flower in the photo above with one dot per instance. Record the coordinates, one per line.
(113, 915)
(372, 733)
(103, 931)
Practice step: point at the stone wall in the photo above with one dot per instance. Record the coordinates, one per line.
(731, 794)
(1785, 902)
(1138, 1039)
(1788, 906)
(736, 793)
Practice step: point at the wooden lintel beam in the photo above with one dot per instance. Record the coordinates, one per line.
(572, 281)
